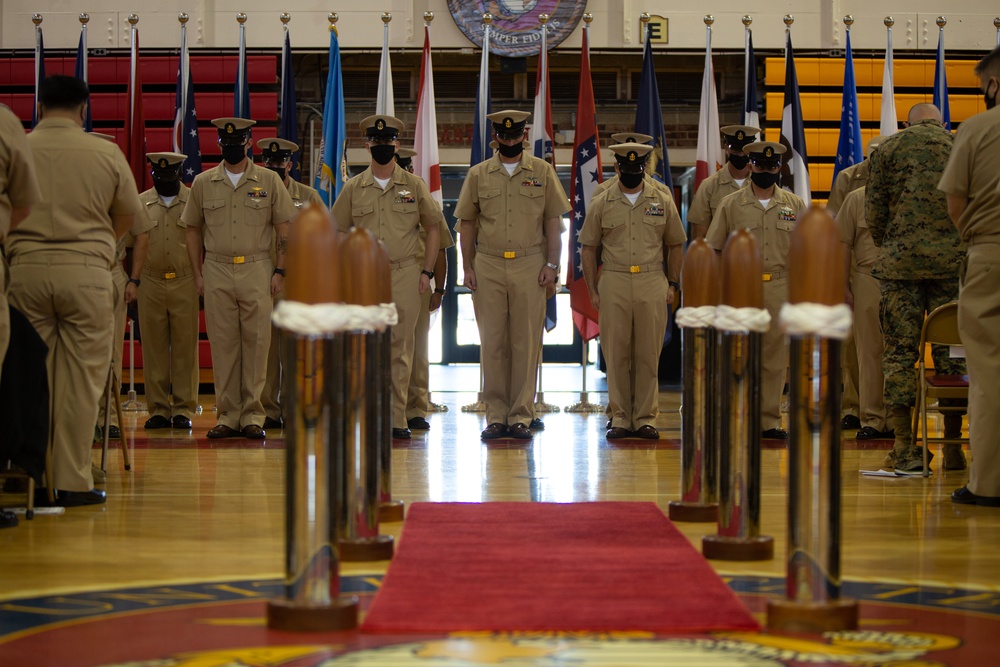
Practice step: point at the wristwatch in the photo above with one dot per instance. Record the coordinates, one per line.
(429, 274)
(674, 284)
(134, 281)
(438, 290)
(280, 272)
(554, 267)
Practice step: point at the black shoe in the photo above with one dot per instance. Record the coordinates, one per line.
(850, 423)
(114, 433)
(493, 431)
(418, 424)
(253, 432)
(965, 497)
(869, 433)
(609, 424)
(272, 423)
(181, 422)
(155, 422)
(7, 519)
(71, 498)
(222, 431)
(776, 434)
(401, 434)
(648, 432)
(617, 433)
(519, 432)
(536, 424)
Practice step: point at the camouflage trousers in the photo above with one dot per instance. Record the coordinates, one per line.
(902, 308)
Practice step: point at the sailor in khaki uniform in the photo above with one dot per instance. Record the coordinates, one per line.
(276, 155)
(60, 278)
(511, 209)
(620, 138)
(770, 214)
(393, 204)
(234, 210)
(725, 181)
(636, 227)
(18, 192)
(168, 301)
(418, 402)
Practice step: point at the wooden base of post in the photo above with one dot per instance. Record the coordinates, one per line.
(365, 549)
(341, 614)
(717, 547)
(678, 510)
(391, 512)
(812, 617)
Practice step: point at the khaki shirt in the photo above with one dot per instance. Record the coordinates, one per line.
(710, 194)
(303, 195)
(446, 240)
(393, 215)
(633, 234)
(602, 186)
(772, 227)
(848, 180)
(973, 171)
(510, 210)
(854, 231)
(167, 246)
(18, 184)
(238, 221)
(84, 181)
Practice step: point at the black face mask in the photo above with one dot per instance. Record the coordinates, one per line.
(383, 153)
(234, 154)
(739, 161)
(166, 188)
(765, 179)
(991, 101)
(510, 151)
(631, 181)
(280, 171)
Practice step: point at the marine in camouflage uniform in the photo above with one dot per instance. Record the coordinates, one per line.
(920, 254)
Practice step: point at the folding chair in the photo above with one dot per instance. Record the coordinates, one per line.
(940, 328)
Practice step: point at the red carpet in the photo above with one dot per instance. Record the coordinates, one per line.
(592, 567)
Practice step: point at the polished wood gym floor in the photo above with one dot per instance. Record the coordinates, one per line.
(197, 510)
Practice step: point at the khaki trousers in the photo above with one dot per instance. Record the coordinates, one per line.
(868, 339)
(849, 399)
(238, 319)
(4, 313)
(67, 297)
(510, 312)
(120, 280)
(406, 296)
(418, 391)
(774, 352)
(979, 325)
(633, 319)
(168, 319)
(271, 396)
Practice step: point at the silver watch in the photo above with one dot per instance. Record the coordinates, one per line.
(554, 267)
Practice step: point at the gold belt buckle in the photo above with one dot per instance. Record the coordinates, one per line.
(766, 277)
(634, 269)
(509, 254)
(169, 275)
(239, 260)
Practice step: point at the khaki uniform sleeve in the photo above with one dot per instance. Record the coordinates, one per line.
(342, 206)
(430, 213)
(142, 222)
(447, 240)
(126, 199)
(193, 215)
(847, 218)
(467, 207)
(21, 182)
(590, 233)
(957, 178)
(839, 192)
(556, 201)
(718, 231)
(673, 233)
(314, 198)
(700, 212)
(282, 207)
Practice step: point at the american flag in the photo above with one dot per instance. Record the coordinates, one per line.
(185, 118)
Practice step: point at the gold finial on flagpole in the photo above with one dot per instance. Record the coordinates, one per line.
(644, 18)
(428, 17)
(996, 22)
(84, 18)
(36, 19)
(133, 19)
(747, 20)
(709, 19)
(888, 21)
(942, 21)
(285, 18)
(386, 17)
(241, 18)
(588, 17)
(183, 18)
(333, 17)
(789, 20)
(487, 18)
(543, 18)
(848, 21)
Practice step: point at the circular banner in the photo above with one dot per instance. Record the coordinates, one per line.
(516, 32)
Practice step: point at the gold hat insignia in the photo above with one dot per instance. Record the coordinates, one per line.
(380, 125)
(163, 162)
(768, 152)
(274, 146)
(508, 123)
(740, 135)
(632, 155)
(230, 128)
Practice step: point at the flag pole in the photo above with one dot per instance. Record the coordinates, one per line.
(996, 24)
(40, 64)
(584, 406)
(888, 124)
(941, 76)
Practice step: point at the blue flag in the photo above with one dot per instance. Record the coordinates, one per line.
(849, 148)
(185, 137)
(241, 91)
(649, 116)
(39, 71)
(795, 166)
(333, 169)
(480, 124)
(80, 72)
(288, 127)
(750, 116)
(941, 83)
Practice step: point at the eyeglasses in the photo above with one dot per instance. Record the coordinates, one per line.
(510, 136)
(277, 161)
(381, 140)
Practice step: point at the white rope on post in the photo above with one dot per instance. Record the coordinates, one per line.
(814, 319)
(325, 318)
(733, 320)
(697, 317)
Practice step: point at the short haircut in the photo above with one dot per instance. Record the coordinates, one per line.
(989, 66)
(62, 92)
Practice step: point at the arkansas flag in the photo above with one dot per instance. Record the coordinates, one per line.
(708, 155)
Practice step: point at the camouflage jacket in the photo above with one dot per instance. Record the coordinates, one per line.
(906, 213)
